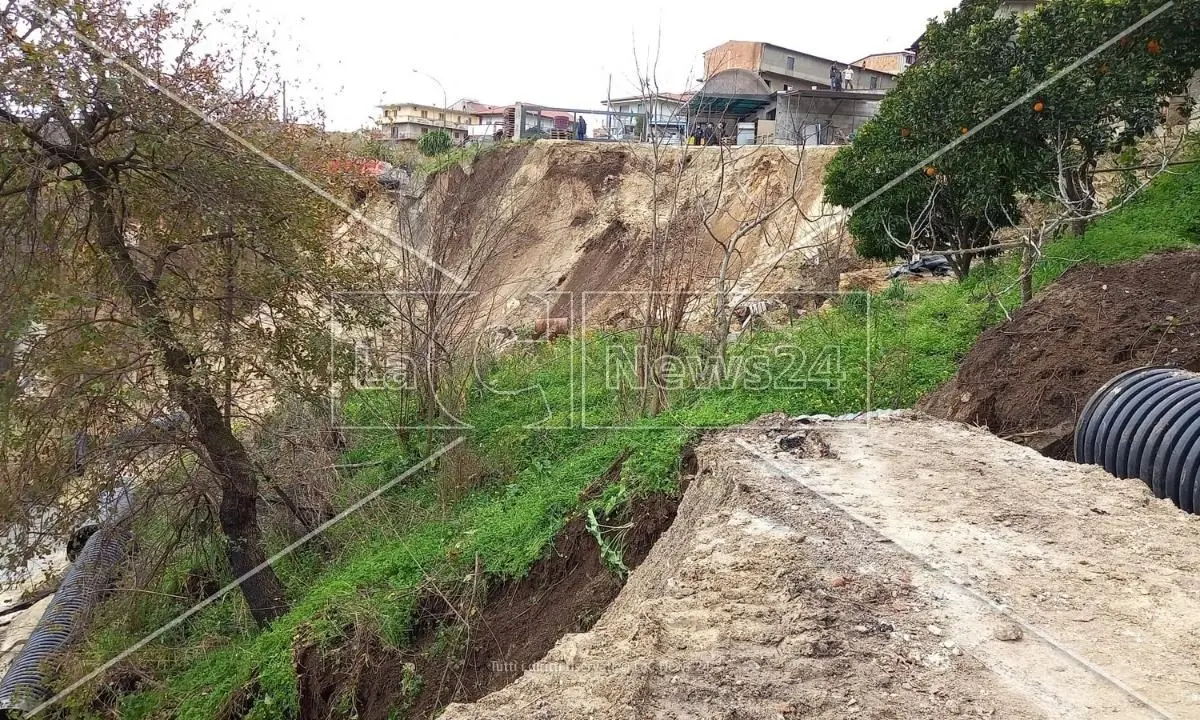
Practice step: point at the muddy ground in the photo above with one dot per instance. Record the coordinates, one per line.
(902, 568)
(1029, 378)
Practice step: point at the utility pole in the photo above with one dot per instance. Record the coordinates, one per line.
(608, 108)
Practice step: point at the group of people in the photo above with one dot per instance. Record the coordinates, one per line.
(706, 134)
(841, 78)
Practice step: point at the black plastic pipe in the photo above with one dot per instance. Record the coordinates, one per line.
(1145, 423)
(24, 685)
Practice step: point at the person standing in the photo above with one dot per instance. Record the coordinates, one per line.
(835, 77)
(848, 78)
(581, 129)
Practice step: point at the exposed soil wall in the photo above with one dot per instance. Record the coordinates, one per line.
(466, 647)
(565, 218)
(1028, 379)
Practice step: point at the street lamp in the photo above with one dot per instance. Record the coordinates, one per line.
(445, 101)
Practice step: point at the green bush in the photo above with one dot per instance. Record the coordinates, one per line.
(434, 143)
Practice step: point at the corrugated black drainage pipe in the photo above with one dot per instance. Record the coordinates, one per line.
(24, 686)
(1145, 423)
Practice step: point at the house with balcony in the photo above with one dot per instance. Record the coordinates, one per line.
(401, 123)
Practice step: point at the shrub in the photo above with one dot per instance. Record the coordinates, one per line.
(435, 143)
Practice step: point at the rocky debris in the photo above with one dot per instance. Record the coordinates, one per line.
(1008, 632)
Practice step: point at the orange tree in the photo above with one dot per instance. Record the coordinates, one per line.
(964, 176)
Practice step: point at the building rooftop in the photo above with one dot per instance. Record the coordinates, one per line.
(791, 51)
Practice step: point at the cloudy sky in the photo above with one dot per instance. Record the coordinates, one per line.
(348, 55)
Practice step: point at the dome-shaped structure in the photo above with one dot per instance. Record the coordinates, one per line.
(735, 81)
(731, 94)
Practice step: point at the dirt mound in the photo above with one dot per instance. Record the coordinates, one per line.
(914, 568)
(758, 602)
(1028, 379)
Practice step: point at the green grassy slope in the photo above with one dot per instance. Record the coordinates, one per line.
(883, 351)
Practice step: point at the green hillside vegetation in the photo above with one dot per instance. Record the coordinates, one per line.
(520, 480)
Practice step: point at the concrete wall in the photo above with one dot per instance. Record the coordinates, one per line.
(807, 70)
(799, 118)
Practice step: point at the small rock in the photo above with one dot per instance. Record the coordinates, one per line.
(838, 581)
(907, 686)
(934, 630)
(793, 441)
(1008, 632)
(861, 628)
(953, 708)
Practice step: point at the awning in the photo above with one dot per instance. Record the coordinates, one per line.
(734, 106)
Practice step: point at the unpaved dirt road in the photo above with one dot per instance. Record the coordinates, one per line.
(899, 568)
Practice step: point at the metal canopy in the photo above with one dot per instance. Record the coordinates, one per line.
(738, 106)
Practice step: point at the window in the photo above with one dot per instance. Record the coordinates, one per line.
(395, 131)
(874, 82)
(424, 113)
(441, 116)
(787, 87)
(791, 63)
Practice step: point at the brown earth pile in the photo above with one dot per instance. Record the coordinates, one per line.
(1029, 378)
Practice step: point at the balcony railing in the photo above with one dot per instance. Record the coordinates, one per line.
(418, 120)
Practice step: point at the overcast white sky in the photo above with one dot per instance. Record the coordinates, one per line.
(350, 54)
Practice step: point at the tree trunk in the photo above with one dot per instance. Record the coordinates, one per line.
(261, 588)
(1027, 273)
(1081, 197)
(961, 263)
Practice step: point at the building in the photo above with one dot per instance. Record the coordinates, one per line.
(407, 122)
(661, 115)
(761, 93)
(822, 117)
(499, 121)
(784, 70)
(892, 63)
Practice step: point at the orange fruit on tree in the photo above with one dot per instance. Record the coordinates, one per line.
(1039, 106)
(1104, 69)
(1154, 47)
(931, 171)
(904, 132)
(965, 131)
